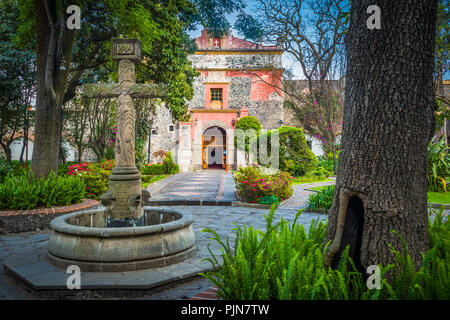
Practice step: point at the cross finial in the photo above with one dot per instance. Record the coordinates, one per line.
(216, 43)
(130, 49)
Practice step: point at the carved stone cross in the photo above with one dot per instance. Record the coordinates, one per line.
(124, 196)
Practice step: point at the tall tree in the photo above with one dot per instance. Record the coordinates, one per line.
(17, 72)
(389, 118)
(67, 58)
(145, 108)
(215, 15)
(76, 124)
(101, 118)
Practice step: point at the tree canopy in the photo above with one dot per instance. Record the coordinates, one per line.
(161, 27)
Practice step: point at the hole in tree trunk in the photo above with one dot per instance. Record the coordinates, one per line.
(352, 235)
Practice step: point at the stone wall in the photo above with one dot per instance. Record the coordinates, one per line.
(198, 100)
(236, 61)
(164, 139)
(243, 74)
(239, 92)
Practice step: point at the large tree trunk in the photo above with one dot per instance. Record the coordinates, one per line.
(53, 55)
(7, 151)
(388, 120)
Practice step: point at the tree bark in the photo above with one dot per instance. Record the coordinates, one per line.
(389, 118)
(54, 45)
(7, 151)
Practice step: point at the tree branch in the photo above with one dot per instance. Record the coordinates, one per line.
(49, 70)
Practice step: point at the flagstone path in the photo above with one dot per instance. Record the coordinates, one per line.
(213, 185)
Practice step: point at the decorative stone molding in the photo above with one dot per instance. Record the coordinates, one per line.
(236, 61)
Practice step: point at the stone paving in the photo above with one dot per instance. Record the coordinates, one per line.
(217, 184)
(208, 185)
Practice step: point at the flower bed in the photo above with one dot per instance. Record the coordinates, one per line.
(94, 175)
(254, 187)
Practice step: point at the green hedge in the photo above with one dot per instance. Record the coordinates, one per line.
(167, 167)
(242, 125)
(295, 156)
(22, 193)
(170, 167)
(153, 169)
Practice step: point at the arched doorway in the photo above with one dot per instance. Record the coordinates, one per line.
(214, 148)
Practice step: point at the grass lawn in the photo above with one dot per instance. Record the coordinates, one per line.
(317, 188)
(303, 180)
(434, 197)
(154, 179)
(439, 197)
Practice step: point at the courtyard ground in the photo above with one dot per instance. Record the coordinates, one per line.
(207, 186)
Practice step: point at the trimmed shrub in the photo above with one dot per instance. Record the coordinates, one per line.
(22, 193)
(170, 167)
(295, 156)
(269, 200)
(152, 169)
(149, 179)
(242, 125)
(167, 167)
(318, 174)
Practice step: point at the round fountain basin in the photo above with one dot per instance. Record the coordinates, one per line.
(82, 239)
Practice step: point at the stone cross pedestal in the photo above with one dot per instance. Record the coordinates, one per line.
(125, 195)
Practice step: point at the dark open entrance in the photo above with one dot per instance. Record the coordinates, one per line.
(352, 235)
(214, 148)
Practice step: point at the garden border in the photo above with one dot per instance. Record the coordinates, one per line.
(15, 221)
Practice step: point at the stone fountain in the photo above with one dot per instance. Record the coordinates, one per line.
(123, 235)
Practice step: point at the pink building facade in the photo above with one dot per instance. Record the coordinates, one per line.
(237, 78)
